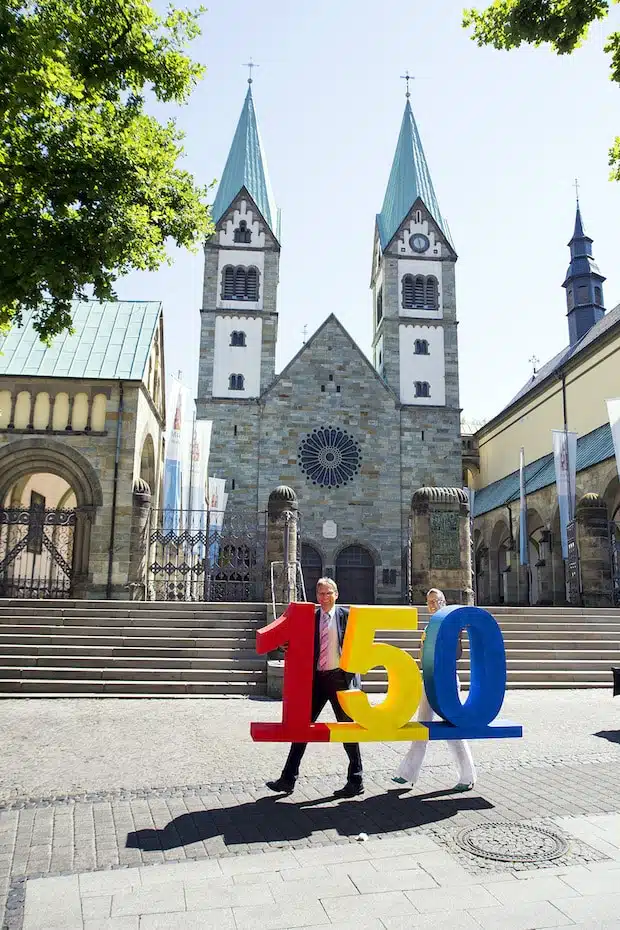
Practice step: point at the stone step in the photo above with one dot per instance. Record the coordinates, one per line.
(94, 604)
(100, 619)
(230, 652)
(140, 632)
(32, 687)
(138, 662)
(116, 641)
(74, 673)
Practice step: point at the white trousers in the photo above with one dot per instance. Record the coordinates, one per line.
(409, 768)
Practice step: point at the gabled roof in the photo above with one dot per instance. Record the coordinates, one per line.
(246, 168)
(409, 180)
(595, 332)
(592, 448)
(332, 318)
(111, 340)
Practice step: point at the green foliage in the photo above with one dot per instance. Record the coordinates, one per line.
(89, 183)
(563, 24)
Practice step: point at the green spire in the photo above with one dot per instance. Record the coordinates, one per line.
(409, 180)
(246, 167)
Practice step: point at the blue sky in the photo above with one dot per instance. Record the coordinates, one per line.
(505, 135)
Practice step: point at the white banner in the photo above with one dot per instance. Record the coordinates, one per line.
(613, 412)
(565, 460)
(523, 536)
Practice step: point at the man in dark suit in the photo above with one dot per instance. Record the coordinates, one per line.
(329, 678)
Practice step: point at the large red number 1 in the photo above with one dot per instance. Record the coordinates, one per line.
(296, 627)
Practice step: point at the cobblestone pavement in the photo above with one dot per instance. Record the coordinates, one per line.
(109, 784)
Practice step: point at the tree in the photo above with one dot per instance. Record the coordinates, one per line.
(89, 183)
(563, 24)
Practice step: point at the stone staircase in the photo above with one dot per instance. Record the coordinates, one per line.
(129, 649)
(135, 649)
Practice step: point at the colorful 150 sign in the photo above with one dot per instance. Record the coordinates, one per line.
(475, 718)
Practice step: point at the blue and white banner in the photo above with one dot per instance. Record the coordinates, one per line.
(613, 412)
(198, 491)
(523, 536)
(178, 454)
(565, 460)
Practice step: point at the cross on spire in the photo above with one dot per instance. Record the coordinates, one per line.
(534, 362)
(407, 77)
(250, 64)
(576, 186)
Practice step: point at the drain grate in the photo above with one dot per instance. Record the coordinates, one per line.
(512, 842)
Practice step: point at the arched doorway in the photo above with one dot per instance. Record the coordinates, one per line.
(48, 496)
(312, 569)
(355, 576)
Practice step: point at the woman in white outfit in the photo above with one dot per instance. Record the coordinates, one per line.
(409, 768)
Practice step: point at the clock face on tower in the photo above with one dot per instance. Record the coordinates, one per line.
(419, 242)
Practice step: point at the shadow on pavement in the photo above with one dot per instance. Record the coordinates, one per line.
(267, 821)
(612, 735)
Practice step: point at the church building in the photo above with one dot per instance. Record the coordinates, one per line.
(353, 438)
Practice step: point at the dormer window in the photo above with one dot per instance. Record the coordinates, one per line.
(420, 347)
(422, 389)
(237, 338)
(236, 383)
(242, 233)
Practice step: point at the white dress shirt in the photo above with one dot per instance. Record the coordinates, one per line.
(328, 628)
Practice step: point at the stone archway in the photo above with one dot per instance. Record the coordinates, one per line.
(312, 568)
(37, 528)
(355, 575)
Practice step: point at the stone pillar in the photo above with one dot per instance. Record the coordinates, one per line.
(595, 558)
(282, 513)
(440, 545)
(139, 542)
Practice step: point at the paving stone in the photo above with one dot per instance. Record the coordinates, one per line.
(169, 897)
(536, 914)
(456, 898)
(588, 882)
(182, 871)
(267, 878)
(541, 888)
(590, 907)
(278, 916)
(267, 862)
(441, 920)
(53, 903)
(331, 887)
(214, 894)
(113, 923)
(216, 919)
(323, 855)
(368, 923)
(94, 883)
(97, 906)
(379, 904)
(404, 880)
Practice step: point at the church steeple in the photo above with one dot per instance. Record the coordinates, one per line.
(246, 167)
(410, 180)
(583, 283)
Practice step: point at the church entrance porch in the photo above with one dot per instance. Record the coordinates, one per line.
(355, 576)
(206, 556)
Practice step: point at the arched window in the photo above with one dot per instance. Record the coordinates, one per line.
(431, 293)
(598, 296)
(569, 298)
(583, 294)
(236, 383)
(379, 305)
(242, 233)
(228, 283)
(407, 286)
(422, 389)
(240, 283)
(421, 347)
(251, 284)
(237, 338)
(418, 292)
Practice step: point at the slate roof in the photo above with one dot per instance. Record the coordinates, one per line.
(409, 180)
(111, 341)
(592, 448)
(606, 323)
(246, 167)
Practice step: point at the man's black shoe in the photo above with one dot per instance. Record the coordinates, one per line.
(281, 785)
(350, 790)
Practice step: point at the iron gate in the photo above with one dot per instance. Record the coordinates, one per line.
(614, 538)
(206, 556)
(573, 569)
(36, 552)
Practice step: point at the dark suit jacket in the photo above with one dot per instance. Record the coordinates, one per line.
(342, 615)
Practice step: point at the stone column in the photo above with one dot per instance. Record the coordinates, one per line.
(139, 541)
(282, 512)
(440, 545)
(595, 556)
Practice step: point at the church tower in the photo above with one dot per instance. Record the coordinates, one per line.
(239, 320)
(414, 309)
(584, 285)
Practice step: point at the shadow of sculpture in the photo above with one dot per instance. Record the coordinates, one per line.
(612, 735)
(266, 821)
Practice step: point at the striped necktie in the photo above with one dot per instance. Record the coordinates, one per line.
(324, 632)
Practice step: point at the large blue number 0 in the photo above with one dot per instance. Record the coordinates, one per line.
(488, 668)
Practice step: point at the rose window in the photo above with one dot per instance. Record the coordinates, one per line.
(329, 457)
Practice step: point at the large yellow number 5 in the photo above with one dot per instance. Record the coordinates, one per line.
(360, 653)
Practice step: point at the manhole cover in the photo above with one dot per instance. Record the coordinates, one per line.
(512, 842)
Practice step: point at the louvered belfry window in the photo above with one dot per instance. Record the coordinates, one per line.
(408, 292)
(251, 284)
(240, 283)
(228, 284)
(431, 293)
(418, 294)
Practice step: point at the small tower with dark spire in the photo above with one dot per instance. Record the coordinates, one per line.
(584, 284)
